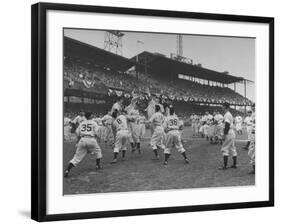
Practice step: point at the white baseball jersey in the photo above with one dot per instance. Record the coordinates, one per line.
(66, 121)
(248, 120)
(157, 119)
(121, 123)
(218, 118)
(78, 119)
(209, 117)
(238, 119)
(193, 118)
(254, 122)
(98, 120)
(141, 120)
(107, 119)
(133, 115)
(87, 128)
(229, 119)
(117, 106)
(150, 108)
(172, 122)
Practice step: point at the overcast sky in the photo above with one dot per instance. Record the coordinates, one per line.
(232, 54)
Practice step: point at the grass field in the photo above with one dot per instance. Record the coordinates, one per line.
(139, 173)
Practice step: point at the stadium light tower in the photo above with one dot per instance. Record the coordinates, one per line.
(179, 45)
(113, 41)
(179, 55)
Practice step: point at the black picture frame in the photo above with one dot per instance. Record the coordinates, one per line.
(39, 122)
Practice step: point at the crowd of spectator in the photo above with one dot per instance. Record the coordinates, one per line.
(104, 77)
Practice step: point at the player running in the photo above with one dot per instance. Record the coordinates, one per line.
(86, 143)
(122, 135)
(228, 146)
(173, 137)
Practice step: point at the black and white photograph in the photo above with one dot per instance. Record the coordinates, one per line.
(143, 111)
(148, 111)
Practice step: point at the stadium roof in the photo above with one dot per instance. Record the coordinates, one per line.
(160, 64)
(96, 55)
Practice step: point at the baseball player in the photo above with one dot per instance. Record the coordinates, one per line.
(173, 137)
(238, 124)
(78, 120)
(193, 119)
(133, 115)
(206, 118)
(140, 129)
(157, 139)
(228, 146)
(118, 105)
(141, 122)
(219, 127)
(151, 109)
(107, 133)
(66, 128)
(86, 143)
(248, 122)
(122, 135)
(252, 146)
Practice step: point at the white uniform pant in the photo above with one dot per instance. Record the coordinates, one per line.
(194, 128)
(158, 137)
(239, 126)
(135, 134)
(107, 133)
(228, 146)
(249, 133)
(173, 140)
(121, 140)
(252, 152)
(86, 145)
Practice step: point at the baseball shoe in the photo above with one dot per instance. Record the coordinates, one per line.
(222, 168)
(234, 166)
(156, 158)
(252, 172)
(98, 167)
(186, 161)
(165, 163)
(66, 173)
(113, 161)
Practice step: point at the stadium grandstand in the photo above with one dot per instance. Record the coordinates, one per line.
(93, 76)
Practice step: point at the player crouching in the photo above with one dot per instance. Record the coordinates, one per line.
(122, 135)
(87, 143)
(173, 137)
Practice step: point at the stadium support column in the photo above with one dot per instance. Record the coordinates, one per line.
(245, 89)
(145, 65)
(245, 92)
(137, 67)
(235, 86)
